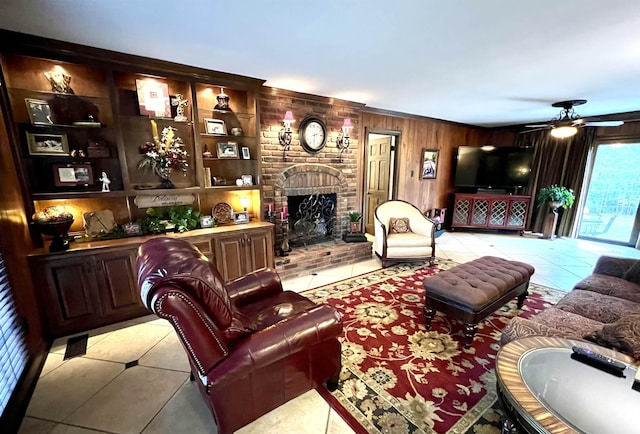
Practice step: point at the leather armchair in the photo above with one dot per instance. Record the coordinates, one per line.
(417, 245)
(251, 345)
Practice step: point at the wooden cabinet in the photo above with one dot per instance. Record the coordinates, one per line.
(82, 291)
(65, 138)
(490, 211)
(238, 254)
(95, 285)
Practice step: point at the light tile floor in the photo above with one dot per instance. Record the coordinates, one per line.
(95, 393)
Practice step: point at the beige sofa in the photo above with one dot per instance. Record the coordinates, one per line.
(603, 308)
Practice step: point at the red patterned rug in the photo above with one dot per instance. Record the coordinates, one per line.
(397, 377)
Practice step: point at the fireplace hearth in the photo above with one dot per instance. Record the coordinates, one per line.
(312, 218)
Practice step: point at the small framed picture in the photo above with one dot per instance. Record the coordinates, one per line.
(227, 150)
(70, 175)
(429, 163)
(132, 229)
(241, 217)
(245, 153)
(247, 179)
(206, 221)
(215, 126)
(39, 111)
(153, 97)
(47, 144)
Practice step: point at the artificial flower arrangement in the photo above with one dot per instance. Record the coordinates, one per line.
(164, 154)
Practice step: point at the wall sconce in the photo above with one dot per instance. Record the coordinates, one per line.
(342, 142)
(284, 136)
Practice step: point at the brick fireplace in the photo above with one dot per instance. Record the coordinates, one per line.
(298, 173)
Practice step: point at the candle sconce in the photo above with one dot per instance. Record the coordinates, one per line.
(343, 141)
(284, 136)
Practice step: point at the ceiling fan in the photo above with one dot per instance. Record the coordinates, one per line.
(567, 122)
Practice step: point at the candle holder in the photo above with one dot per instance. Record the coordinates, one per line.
(285, 248)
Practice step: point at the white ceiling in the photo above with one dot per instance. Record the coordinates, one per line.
(480, 62)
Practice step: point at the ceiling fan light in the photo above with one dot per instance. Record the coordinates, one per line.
(564, 132)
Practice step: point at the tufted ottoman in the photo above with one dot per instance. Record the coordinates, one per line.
(471, 291)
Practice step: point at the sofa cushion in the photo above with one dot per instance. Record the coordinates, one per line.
(622, 335)
(613, 286)
(633, 274)
(399, 225)
(598, 307)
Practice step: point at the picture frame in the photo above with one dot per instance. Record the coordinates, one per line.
(153, 98)
(132, 229)
(241, 217)
(215, 127)
(227, 150)
(246, 155)
(247, 179)
(73, 174)
(47, 144)
(39, 111)
(429, 164)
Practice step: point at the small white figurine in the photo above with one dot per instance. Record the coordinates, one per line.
(180, 103)
(105, 181)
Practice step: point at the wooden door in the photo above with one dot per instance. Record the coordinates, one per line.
(259, 247)
(229, 254)
(119, 291)
(378, 170)
(70, 294)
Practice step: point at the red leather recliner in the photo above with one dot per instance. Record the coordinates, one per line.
(251, 345)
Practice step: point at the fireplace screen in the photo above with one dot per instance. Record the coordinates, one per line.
(311, 218)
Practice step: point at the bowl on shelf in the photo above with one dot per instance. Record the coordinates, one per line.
(58, 230)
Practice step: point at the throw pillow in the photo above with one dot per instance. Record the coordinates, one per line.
(622, 335)
(399, 225)
(633, 273)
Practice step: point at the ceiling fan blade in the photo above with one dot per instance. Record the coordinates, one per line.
(539, 126)
(602, 123)
(531, 131)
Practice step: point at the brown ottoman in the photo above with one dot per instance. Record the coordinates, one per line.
(472, 291)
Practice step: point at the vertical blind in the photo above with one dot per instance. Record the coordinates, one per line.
(13, 348)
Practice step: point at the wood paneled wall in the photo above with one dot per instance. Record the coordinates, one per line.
(418, 133)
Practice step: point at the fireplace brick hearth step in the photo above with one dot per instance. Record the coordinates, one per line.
(303, 261)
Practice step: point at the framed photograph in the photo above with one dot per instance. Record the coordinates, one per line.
(39, 111)
(429, 163)
(153, 98)
(227, 150)
(72, 174)
(241, 217)
(245, 153)
(215, 126)
(132, 229)
(47, 144)
(247, 179)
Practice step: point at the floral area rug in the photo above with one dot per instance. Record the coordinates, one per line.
(397, 377)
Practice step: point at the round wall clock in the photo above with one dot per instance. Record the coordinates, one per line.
(313, 135)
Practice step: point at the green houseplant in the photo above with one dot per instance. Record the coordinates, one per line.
(556, 196)
(355, 219)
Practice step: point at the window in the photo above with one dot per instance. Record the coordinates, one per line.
(13, 349)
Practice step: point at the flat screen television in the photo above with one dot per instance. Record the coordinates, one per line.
(493, 167)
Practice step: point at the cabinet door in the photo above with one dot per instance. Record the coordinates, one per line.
(119, 294)
(498, 213)
(229, 254)
(462, 211)
(480, 212)
(259, 249)
(518, 213)
(69, 288)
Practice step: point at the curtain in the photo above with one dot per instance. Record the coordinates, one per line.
(556, 161)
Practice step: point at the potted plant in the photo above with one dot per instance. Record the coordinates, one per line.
(556, 196)
(355, 219)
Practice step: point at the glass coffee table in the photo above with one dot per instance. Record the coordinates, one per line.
(544, 390)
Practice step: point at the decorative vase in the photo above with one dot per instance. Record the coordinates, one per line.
(356, 227)
(555, 204)
(166, 183)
